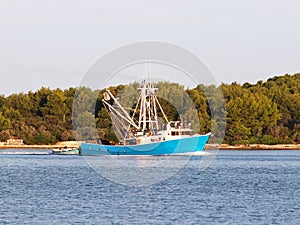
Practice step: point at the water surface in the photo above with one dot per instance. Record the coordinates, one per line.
(239, 187)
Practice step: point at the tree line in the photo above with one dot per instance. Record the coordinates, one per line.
(263, 113)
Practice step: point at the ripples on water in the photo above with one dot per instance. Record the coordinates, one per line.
(239, 187)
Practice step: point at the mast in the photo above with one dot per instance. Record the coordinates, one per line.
(148, 112)
(148, 119)
(147, 103)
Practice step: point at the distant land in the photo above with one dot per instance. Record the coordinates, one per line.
(267, 112)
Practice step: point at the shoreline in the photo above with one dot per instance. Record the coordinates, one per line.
(253, 147)
(59, 145)
(74, 144)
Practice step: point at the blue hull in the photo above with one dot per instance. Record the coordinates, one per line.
(178, 146)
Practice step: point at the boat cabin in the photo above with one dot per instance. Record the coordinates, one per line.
(181, 132)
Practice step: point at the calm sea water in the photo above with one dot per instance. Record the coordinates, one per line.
(239, 187)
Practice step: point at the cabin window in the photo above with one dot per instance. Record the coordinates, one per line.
(174, 133)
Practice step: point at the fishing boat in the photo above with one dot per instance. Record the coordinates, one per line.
(145, 136)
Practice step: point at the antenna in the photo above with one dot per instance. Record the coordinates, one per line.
(148, 75)
(150, 65)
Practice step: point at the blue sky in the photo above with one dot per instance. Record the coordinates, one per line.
(52, 43)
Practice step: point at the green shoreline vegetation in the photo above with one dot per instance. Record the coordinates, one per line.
(262, 113)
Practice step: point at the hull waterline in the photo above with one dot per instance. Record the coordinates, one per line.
(169, 147)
